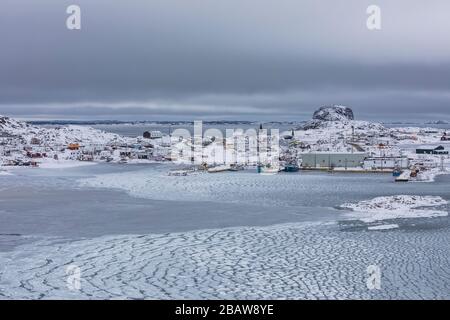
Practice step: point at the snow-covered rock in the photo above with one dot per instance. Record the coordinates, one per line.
(334, 129)
(333, 113)
(397, 207)
(11, 126)
(338, 117)
(55, 136)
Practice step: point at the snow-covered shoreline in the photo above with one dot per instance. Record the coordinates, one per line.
(333, 131)
(396, 207)
(63, 164)
(25, 145)
(430, 175)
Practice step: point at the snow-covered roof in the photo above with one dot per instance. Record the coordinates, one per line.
(430, 147)
(334, 152)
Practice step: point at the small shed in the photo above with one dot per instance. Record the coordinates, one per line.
(439, 150)
(445, 137)
(156, 134)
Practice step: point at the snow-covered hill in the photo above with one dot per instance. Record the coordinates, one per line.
(12, 126)
(63, 135)
(334, 113)
(338, 117)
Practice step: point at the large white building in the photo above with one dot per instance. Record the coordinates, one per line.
(328, 160)
(380, 163)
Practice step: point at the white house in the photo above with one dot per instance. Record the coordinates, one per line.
(155, 134)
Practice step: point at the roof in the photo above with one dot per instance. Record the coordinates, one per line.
(431, 148)
(387, 157)
(335, 153)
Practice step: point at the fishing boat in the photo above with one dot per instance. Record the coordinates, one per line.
(236, 167)
(291, 168)
(268, 169)
(397, 172)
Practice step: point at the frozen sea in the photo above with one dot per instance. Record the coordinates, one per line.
(134, 232)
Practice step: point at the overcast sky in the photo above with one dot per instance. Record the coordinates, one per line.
(224, 59)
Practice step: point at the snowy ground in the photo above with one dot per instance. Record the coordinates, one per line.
(430, 175)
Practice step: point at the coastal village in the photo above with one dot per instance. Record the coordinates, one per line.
(332, 141)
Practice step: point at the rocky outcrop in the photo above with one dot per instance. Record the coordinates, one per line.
(327, 116)
(61, 135)
(334, 113)
(8, 125)
(339, 117)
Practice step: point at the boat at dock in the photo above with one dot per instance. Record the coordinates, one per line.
(397, 172)
(236, 167)
(268, 169)
(291, 168)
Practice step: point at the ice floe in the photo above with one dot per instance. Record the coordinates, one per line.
(383, 227)
(397, 207)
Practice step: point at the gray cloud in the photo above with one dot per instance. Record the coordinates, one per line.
(258, 59)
